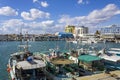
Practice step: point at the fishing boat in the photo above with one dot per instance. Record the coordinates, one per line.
(23, 65)
(58, 66)
(115, 51)
(112, 61)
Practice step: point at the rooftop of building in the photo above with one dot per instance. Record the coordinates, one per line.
(112, 26)
(63, 33)
(82, 26)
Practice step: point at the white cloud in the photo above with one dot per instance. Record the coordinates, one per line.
(93, 18)
(35, 1)
(13, 22)
(80, 1)
(14, 26)
(83, 2)
(34, 14)
(44, 4)
(11, 26)
(66, 19)
(8, 11)
(43, 24)
(41, 3)
(41, 27)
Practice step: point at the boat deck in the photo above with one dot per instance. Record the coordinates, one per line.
(114, 75)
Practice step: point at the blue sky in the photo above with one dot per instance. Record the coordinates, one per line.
(50, 16)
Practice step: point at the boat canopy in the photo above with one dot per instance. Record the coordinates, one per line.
(25, 65)
(115, 49)
(88, 58)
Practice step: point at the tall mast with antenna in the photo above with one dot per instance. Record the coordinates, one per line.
(26, 47)
(21, 35)
(23, 47)
(20, 38)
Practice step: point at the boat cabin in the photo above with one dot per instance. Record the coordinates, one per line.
(92, 63)
(32, 70)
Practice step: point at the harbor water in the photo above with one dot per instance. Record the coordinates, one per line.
(7, 48)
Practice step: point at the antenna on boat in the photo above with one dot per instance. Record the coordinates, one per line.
(26, 48)
(21, 46)
(20, 38)
(105, 44)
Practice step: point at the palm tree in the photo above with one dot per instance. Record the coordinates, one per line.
(97, 34)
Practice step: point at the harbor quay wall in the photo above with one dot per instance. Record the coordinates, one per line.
(52, 37)
(41, 37)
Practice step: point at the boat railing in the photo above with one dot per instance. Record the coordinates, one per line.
(24, 47)
(117, 49)
(33, 78)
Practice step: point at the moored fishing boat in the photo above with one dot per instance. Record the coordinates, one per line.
(112, 62)
(58, 66)
(115, 51)
(23, 65)
(22, 68)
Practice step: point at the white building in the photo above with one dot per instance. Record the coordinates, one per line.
(112, 29)
(3, 37)
(81, 31)
(111, 32)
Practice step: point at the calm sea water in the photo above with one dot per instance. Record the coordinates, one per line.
(7, 48)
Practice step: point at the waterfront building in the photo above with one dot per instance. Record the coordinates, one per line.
(110, 33)
(70, 29)
(3, 37)
(113, 29)
(81, 31)
(8, 37)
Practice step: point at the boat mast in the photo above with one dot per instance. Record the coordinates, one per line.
(20, 39)
(26, 47)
